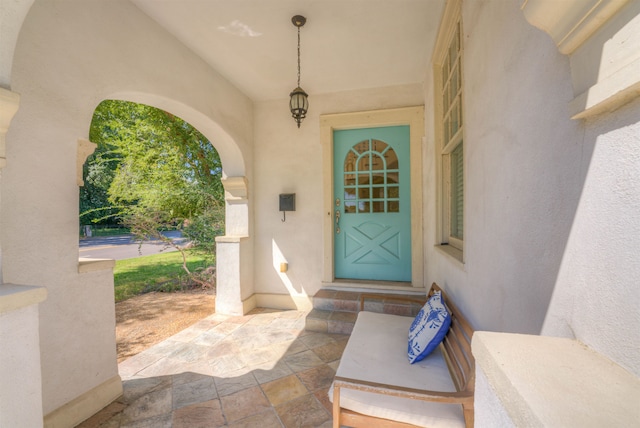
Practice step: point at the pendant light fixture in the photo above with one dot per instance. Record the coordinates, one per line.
(299, 103)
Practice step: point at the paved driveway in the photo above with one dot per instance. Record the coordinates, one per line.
(124, 246)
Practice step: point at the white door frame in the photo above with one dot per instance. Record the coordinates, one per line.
(412, 116)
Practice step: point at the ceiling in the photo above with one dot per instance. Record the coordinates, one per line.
(345, 44)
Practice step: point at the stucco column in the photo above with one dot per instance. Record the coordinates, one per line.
(234, 285)
(9, 102)
(20, 372)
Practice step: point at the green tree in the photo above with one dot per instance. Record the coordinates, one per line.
(150, 162)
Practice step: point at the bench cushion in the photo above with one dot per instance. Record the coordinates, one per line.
(376, 352)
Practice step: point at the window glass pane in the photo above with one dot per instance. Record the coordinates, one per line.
(392, 178)
(363, 162)
(457, 192)
(364, 193)
(349, 179)
(349, 207)
(455, 125)
(459, 111)
(377, 192)
(378, 206)
(378, 146)
(377, 162)
(454, 82)
(393, 192)
(377, 178)
(362, 147)
(363, 179)
(349, 193)
(350, 162)
(364, 207)
(452, 54)
(454, 99)
(454, 48)
(459, 78)
(393, 207)
(391, 158)
(447, 131)
(446, 100)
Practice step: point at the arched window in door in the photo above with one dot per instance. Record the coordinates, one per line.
(371, 178)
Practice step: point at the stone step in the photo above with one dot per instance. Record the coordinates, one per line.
(335, 311)
(334, 322)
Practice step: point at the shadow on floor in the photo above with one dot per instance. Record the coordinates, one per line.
(259, 370)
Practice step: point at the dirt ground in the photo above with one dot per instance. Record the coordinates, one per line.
(145, 320)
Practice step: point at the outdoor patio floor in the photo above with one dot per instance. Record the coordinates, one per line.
(259, 370)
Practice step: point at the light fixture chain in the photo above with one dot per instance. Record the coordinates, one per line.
(298, 56)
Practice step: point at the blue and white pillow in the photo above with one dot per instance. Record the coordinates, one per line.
(428, 328)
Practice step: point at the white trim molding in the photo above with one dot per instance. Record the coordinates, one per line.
(570, 23)
(609, 93)
(86, 405)
(85, 149)
(9, 103)
(13, 297)
(87, 264)
(600, 38)
(236, 188)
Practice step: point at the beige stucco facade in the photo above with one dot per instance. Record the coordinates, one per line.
(552, 173)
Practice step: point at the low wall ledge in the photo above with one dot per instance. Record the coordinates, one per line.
(609, 93)
(556, 381)
(86, 264)
(230, 239)
(13, 296)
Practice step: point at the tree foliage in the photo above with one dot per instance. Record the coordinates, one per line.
(150, 163)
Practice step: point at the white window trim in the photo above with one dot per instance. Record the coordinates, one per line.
(451, 17)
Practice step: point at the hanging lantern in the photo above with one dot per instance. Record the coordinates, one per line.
(299, 103)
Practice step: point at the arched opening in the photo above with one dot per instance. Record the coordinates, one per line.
(234, 288)
(152, 186)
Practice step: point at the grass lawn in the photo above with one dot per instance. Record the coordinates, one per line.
(159, 272)
(109, 231)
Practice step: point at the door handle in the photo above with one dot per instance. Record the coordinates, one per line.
(337, 215)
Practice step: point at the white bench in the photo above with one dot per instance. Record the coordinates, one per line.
(375, 386)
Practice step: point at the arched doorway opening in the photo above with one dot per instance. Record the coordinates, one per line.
(152, 186)
(234, 288)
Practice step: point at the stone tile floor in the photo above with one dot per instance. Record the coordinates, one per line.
(259, 370)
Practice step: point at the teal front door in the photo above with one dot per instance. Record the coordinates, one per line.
(372, 206)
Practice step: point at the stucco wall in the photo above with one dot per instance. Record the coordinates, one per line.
(552, 228)
(523, 174)
(70, 56)
(615, 46)
(12, 14)
(289, 160)
(597, 299)
(20, 366)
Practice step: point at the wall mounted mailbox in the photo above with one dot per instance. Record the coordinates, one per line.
(287, 203)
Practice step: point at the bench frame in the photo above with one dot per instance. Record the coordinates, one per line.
(456, 349)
